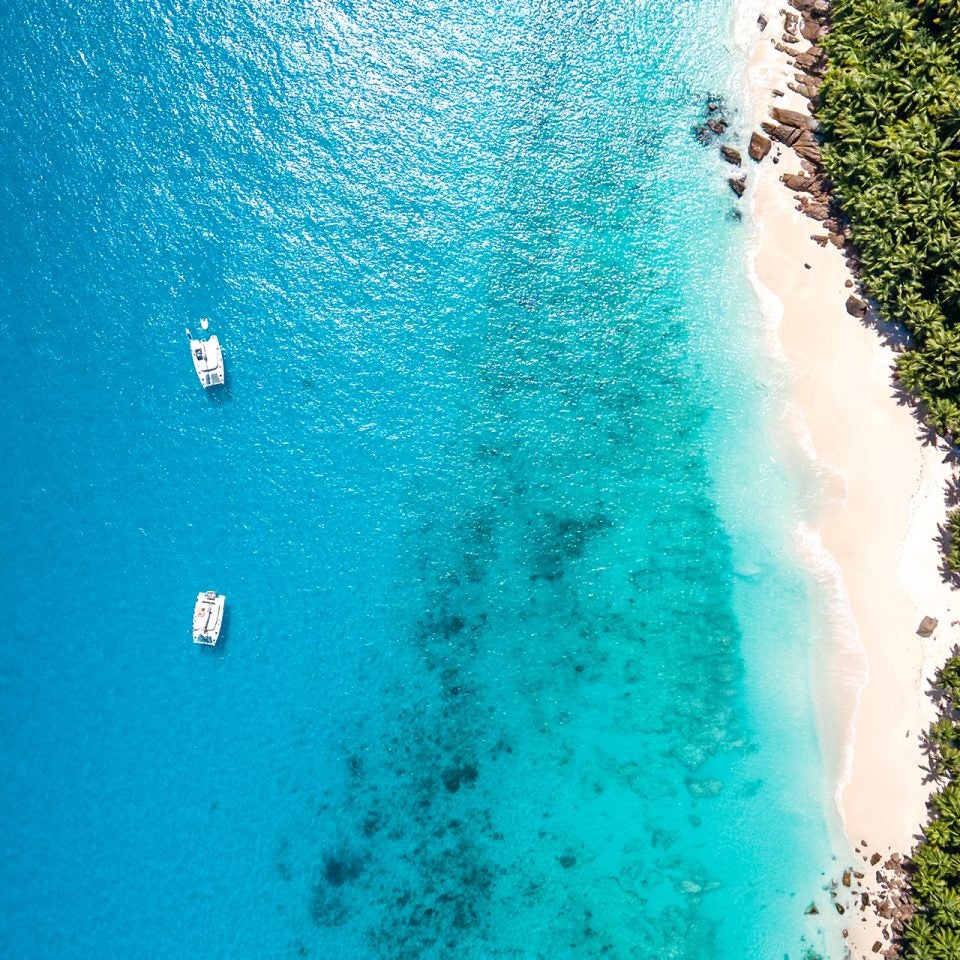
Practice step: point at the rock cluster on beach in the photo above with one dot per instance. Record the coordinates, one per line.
(798, 130)
(882, 901)
(789, 127)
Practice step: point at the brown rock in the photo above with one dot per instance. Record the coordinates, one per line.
(812, 910)
(820, 8)
(819, 240)
(811, 61)
(801, 5)
(811, 30)
(813, 82)
(717, 124)
(790, 38)
(787, 135)
(815, 209)
(838, 240)
(738, 184)
(730, 154)
(875, 859)
(847, 878)
(762, 22)
(790, 22)
(877, 947)
(797, 181)
(840, 908)
(759, 146)
(808, 148)
(793, 118)
(927, 626)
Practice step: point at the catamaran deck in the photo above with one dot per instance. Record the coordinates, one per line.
(208, 360)
(208, 617)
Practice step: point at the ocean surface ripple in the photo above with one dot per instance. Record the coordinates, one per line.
(516, 656)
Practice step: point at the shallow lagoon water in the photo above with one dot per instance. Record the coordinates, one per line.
(516, 661)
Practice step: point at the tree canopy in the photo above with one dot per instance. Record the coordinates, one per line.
(890, 113)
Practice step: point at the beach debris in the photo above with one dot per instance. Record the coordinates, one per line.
(927, 626)
(738, 184)
(730, 154)
(858, 308)
(759, 146)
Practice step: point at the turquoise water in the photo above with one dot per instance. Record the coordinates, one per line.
(516, 657)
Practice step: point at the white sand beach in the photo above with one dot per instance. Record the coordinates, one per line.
(882, 531)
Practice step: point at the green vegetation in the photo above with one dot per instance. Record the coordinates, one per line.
(952, 546)
(891, 119)
(933, 932)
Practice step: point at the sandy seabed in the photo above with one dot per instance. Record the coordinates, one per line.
(880, 531)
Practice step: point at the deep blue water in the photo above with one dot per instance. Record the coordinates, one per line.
(516, 655)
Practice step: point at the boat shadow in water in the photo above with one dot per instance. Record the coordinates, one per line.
(221, 394)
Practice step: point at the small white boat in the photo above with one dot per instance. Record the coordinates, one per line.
(208, 617)
(207, 360)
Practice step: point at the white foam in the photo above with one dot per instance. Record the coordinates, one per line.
(843, 665)
(840, 663)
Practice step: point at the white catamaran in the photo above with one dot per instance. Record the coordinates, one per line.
(207, 360)
(208, 617)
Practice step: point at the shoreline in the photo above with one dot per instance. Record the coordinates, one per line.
(875, 543)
